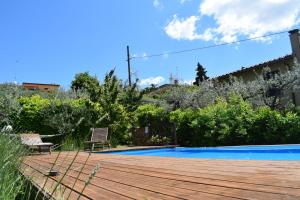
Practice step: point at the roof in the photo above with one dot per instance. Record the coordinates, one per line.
(40, 84)
(258, 66)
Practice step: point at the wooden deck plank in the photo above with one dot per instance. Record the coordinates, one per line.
(108, 174)
(151, 188)
(140, 177)
(138, 170)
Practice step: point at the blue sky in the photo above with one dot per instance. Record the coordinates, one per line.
(50, 41)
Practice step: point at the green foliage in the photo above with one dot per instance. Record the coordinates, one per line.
(30, 117)
(116, 119)
(110, 90)
(64, 116)
(235, 122)
(131, 97)
(148, 113)
(11, 152)
(156, 117)
(209, 115)
(84, 81)
(71, 144)
(273, 127)
(186, 135)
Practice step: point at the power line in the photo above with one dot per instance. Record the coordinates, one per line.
(207, 47)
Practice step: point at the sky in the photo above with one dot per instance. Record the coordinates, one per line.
(49, 41)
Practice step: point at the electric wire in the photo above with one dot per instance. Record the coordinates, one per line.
(209, 46)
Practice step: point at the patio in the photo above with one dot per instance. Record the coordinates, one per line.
(141, 177)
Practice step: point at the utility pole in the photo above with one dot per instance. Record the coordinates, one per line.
(128, 61)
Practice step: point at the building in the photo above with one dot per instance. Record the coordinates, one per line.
(41, 87)
(277, 66)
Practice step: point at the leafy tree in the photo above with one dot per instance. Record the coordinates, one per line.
(110, 90)
(116, 116)
(201, 75)
(131, 97)
(84, 81)
(274, 92)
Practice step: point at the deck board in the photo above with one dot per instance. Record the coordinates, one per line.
(142, 177)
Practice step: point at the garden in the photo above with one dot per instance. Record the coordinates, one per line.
(208, 114)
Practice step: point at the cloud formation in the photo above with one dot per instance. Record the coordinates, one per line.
(152, 80)
(188, 82)
(235, 18)
(185, 29)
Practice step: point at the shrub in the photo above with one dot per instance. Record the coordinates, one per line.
(30, 117)
(267, 127)
(222, 123)
(291, 127)
(186, 135)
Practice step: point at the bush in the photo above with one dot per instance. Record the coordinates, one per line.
(31, 117)
(186, 134)
(66, 117)
(267, 127)
(222, 123)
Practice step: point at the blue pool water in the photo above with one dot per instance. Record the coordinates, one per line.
(264, 152)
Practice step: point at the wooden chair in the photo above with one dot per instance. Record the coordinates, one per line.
(98, 139)
(34, 142)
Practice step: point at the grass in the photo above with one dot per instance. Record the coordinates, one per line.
(71, 144)
(12, 184)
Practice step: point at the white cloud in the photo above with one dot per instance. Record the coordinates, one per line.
(235, 18)
(182, 28)
(188, 82)
(152, 80)
(158, 4)
(185, 29)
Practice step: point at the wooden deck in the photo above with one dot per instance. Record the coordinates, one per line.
(141, 177)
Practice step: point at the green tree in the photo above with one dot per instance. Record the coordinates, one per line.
(201, 75)
(86, 82)
(116, 116)
(110, 90)
(131, 97)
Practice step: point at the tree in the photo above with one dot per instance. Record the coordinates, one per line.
(84, 81)
(131, 97)
(110, 90)
(201, 75)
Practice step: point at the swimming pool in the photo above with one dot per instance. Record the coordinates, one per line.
(260, 152)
